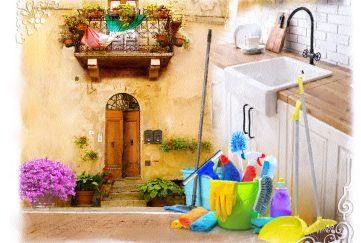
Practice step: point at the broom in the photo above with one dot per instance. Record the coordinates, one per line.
(186, 208)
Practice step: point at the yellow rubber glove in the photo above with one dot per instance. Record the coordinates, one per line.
(222, 198)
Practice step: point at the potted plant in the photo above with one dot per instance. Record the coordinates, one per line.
(158, 192)
(90, 155)
(151, 11)
(86, 184)
(162, 39)
(42, 180)
(163, 12)
(183, 144)
(106, 183)
(126, 13)
(175, 24)
(93, 12)
(67, 38)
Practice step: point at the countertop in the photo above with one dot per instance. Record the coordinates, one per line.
(328, 99)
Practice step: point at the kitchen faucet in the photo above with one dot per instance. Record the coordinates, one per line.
(307, 53)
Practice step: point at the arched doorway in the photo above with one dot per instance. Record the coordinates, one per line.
(122, 136)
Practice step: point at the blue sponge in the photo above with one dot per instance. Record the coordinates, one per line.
(204, 223)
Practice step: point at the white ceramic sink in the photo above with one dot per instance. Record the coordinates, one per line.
(257, 83)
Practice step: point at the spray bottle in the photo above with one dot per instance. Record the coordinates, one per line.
(281, 202)
(253, 159)
(230, 172)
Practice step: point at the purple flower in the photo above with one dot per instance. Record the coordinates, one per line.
(42, 176)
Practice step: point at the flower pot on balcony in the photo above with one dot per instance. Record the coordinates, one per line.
(178, 42)
(175, 25)
(82, 26)
(162, 14)
(162, 40)
(84, 198)
(68, 42)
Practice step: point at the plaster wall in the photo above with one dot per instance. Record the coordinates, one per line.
(55, 107)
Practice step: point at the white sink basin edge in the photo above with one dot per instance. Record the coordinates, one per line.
(257, 83)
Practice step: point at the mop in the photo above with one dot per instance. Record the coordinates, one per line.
(186, 208)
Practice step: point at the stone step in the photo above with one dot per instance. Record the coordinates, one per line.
(129, 182)
(124, 203)
(124, 196)
(125, 188)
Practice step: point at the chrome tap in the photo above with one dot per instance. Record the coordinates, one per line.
(307, 53)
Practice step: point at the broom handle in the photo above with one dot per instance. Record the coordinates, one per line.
(201, 116)
(297, 135)
(309, 147)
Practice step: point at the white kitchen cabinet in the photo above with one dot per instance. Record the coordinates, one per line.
(275, 135)
(332, 157)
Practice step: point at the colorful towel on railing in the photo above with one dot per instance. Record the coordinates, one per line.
(115, 25)
(95, 39)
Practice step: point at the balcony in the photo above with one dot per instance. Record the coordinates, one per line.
(148, 45)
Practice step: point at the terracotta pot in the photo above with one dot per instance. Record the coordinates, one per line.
(162, 14)
(157, 202)
(68, 42)
(175, 25)
(178, 42)
(82, 26)
(161, 37)
(84, 198)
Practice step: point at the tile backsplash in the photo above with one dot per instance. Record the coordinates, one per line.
(332, 35)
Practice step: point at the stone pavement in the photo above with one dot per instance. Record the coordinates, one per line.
(132, 224)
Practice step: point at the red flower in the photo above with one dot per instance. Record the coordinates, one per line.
(106, 178)
(110, 175)
(102, 188)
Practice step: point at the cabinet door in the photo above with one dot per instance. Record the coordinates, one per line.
(331, 151)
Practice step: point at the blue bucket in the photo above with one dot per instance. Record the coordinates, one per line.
(203, 188)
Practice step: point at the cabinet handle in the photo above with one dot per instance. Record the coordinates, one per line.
(113, 143)
(131, 142)
(249, 123)
(244, 119)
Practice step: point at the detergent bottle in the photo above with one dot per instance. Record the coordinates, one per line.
(253, 159)
(230, 172)
(281, 202)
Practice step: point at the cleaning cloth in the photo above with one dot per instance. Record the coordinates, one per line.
(258, 223)
(204, 223)
(187, 219)
(222, 198)
(95, 39)
(115, 25)
(177, 208)
(176, 224)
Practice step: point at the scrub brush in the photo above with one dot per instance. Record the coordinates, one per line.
(264, 194)
(239, 145)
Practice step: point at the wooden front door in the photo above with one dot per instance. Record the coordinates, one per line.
(131, 144)
(122, 143)
(114, 142)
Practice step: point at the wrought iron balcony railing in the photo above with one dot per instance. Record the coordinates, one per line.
(152, 35)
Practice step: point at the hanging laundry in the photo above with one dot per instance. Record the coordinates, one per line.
(115, 25)
(95, 39)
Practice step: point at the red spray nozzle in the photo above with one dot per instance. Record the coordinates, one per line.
(259, 161)
(224, 159)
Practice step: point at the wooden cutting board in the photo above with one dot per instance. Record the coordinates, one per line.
(277, 35)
